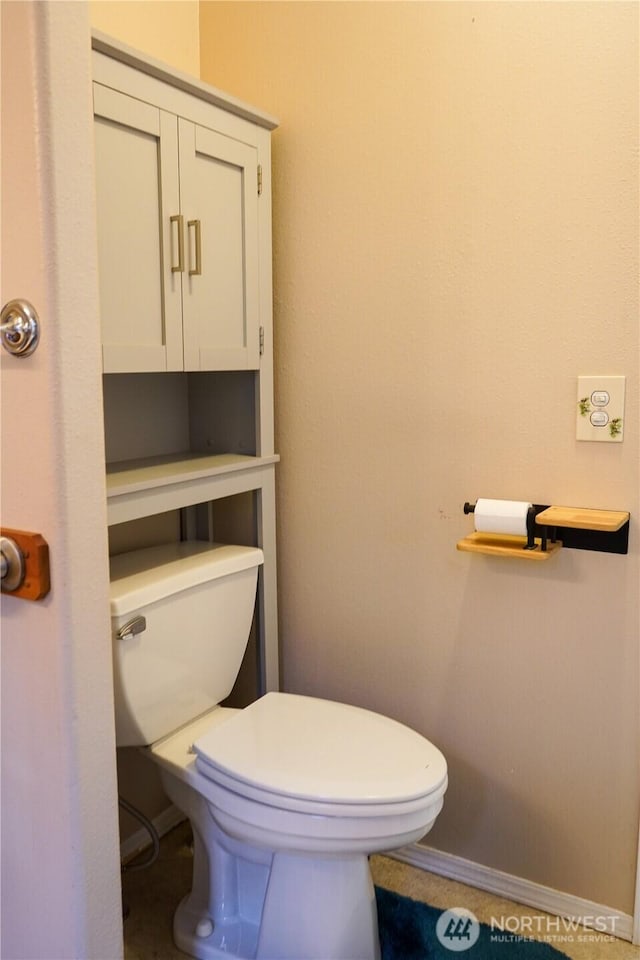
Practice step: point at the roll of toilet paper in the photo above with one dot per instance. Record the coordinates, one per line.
(501, 516)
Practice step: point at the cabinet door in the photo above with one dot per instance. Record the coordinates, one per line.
(137, 194)
(219, 202)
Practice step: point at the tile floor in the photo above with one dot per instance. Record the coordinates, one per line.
(152, 895)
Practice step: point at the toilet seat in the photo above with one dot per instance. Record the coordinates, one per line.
(320, 757)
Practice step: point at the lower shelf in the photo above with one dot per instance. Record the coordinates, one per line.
(142, 488)
(502, 545)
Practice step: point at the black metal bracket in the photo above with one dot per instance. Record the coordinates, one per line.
(575, 538)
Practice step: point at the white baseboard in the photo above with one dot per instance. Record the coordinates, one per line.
(138, 841)
(555, 902)
(636, 913)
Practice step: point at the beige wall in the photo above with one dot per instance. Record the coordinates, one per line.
(165, 29)
(456, 239)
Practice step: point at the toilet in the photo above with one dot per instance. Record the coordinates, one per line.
(287, 797)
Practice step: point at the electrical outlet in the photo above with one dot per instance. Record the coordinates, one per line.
(600, 409)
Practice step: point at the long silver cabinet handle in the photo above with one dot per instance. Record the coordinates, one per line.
(178, 218)
(198, 270)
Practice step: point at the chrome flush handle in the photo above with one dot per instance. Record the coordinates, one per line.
(132, 628)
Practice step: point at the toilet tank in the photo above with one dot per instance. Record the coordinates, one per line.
(195, 602)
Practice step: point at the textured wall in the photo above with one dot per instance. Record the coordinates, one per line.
(456, 239)
(164, 29)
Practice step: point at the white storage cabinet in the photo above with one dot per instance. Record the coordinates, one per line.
(184, 232)
(178, 182)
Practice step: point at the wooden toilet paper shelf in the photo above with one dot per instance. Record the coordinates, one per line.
(579, 528)
(503, 545)
(579, 518)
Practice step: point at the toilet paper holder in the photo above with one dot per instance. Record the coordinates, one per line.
(551, 527)
(531, 527)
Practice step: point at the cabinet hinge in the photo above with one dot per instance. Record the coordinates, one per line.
(259, 179)
(261, 340)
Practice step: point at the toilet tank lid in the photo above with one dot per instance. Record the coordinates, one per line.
(142, 577)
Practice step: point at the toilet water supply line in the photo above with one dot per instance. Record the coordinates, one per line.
(151, 830)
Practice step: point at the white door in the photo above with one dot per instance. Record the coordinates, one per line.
(219, 203)
(60, 865)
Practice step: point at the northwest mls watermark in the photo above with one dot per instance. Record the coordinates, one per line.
(587, 929)
(458, 929)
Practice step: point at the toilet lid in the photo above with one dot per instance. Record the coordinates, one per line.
(321, 750)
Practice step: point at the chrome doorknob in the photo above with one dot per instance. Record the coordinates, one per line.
(19, 328)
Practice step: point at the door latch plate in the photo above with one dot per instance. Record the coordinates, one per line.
(35, 583)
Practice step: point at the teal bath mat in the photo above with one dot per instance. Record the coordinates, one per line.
(410, 930)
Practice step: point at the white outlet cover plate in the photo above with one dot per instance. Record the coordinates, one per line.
(600, 409)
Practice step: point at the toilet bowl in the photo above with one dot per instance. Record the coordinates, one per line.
(287, 797)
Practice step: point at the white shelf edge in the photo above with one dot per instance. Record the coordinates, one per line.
(173, 491)
(157, 489)
(165, 471)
